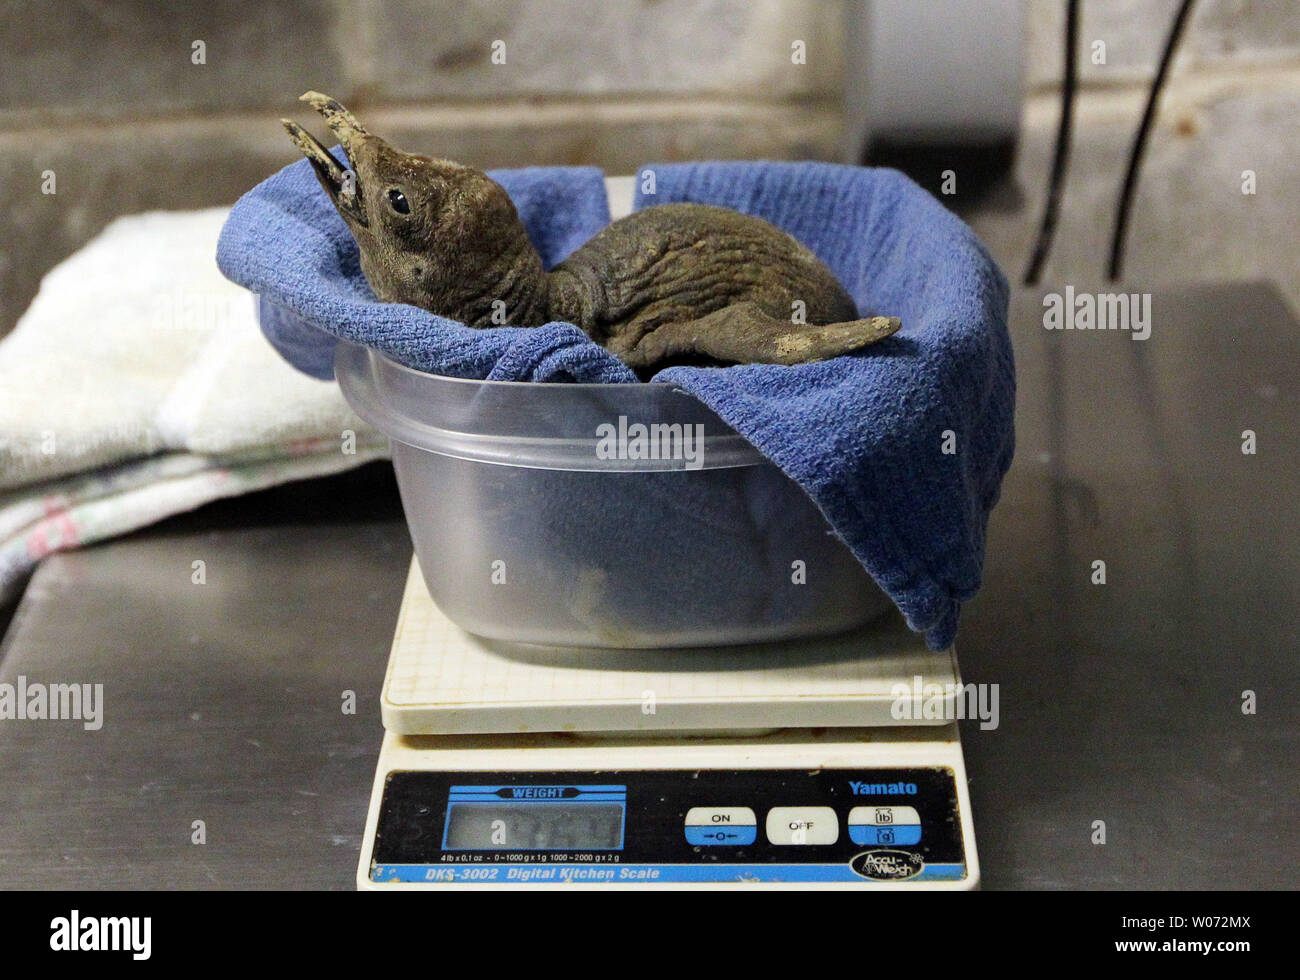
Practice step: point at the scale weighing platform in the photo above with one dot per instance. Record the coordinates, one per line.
(800, 764)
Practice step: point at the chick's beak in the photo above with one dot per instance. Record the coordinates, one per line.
(343, 124)
(342, 184)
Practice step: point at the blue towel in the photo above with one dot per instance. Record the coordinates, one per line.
(285, 242)
(902, 445)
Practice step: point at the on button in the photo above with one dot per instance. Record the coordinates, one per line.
(721, 826)
(802, 825)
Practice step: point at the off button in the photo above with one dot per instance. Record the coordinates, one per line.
(802, 825)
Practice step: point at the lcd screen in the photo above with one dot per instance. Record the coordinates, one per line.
(534, 826)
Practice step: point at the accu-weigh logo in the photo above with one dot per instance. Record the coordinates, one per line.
(886, 865)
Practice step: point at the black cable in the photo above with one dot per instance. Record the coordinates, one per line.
(1139, 143)
(1061, 157)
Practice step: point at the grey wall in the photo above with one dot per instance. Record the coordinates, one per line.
(105, 94)
(1232, 104)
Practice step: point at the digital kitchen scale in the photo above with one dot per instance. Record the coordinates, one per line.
(801, 764)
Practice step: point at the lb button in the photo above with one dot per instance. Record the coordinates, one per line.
(885, 825)
(721, 826)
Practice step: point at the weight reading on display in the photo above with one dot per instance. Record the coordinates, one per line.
(535, 818)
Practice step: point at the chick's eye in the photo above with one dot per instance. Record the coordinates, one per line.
(397, 201)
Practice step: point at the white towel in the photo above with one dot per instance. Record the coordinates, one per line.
(138, 385)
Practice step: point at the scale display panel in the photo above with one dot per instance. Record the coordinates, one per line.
(700, 826)
(534, 818)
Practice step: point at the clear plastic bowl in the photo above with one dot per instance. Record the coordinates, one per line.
(535, 521)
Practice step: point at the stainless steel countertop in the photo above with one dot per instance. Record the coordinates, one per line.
(1119, 703)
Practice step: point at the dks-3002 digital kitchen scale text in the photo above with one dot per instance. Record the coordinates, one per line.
(794, 765)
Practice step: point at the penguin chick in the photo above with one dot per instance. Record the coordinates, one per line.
(669, 284)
